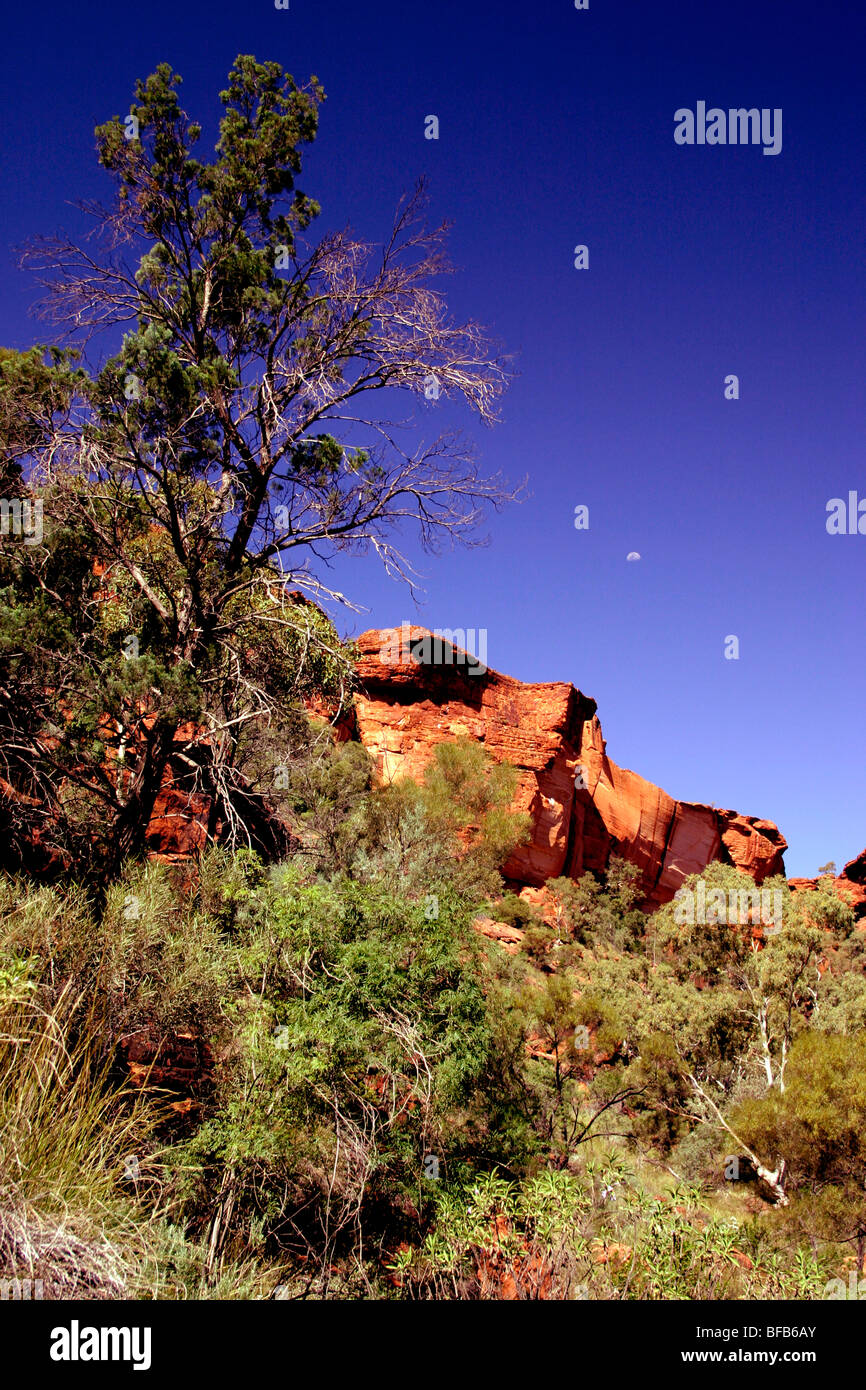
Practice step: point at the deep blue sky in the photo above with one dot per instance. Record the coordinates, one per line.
(556, 128)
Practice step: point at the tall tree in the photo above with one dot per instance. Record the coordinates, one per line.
(228, 450)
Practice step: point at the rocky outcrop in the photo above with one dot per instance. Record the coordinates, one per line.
(179, 1064)
(509, 938)
(850, 885)
(416, 692)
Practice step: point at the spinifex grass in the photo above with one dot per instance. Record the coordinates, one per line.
(68, 1145)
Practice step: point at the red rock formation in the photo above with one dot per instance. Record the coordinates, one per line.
(178, 824)
(850, 885)
(584, 808)
(177, 1062)
(509, 938)
(185, 819)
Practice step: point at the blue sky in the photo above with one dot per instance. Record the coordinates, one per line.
(556, 128)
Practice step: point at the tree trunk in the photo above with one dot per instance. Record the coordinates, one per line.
(773, 1179)
(129, 832)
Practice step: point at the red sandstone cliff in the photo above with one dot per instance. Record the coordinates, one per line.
(584, 807)
(850, 885)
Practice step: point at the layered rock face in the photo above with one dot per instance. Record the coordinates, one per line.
(417, 691)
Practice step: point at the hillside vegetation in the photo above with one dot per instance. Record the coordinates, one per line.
(390, 1106)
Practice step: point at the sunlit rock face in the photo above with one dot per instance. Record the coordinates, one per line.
(850, 885)
(417, 691)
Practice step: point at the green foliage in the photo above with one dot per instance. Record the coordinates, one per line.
(154, 630)
(596, 1234)
(515, 912)
(372, 1122)
(454, 828)
(819, 1123)
(33, 395)
(593, 912)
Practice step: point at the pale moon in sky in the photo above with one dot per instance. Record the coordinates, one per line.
(632, 555)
